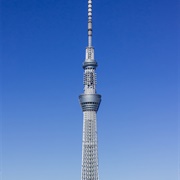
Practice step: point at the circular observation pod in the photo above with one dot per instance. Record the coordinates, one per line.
(90, 63)
(90, 102)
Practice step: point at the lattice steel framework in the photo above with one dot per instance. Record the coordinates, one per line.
(90, 102)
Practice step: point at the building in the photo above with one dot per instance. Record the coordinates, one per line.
(90, 102)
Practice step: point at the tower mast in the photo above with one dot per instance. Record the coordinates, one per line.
(90, 102)
(90, 23)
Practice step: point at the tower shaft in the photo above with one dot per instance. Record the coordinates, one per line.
(90, 147)
(90, 102)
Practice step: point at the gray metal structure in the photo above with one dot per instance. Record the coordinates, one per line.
(90, 102)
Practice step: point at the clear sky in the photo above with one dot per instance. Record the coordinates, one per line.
(43, 47)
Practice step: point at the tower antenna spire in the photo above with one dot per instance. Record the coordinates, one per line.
(89, 23)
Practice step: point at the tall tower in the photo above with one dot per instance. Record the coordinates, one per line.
(90, 102)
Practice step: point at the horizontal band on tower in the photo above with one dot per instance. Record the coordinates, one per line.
(90, 63)
(90, 102)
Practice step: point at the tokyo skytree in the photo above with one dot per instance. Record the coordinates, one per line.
(90, 102)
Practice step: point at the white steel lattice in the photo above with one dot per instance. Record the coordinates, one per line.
(89, 81)
(90, 147)
(90, 102)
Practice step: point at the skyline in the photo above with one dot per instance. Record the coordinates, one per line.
(43, 45)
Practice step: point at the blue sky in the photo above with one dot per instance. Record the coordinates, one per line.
(43, 47)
